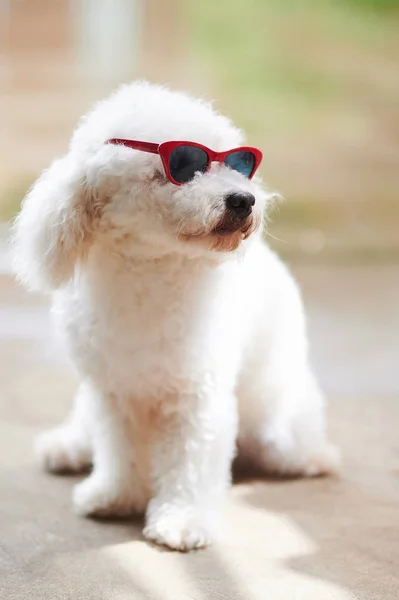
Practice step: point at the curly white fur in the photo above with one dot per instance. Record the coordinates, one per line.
(186, 341)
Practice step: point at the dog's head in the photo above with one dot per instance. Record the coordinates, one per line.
(216, 210)
(106, 193)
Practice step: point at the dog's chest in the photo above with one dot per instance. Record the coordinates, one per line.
(150, 332)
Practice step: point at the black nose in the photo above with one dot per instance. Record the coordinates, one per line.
(240, 204)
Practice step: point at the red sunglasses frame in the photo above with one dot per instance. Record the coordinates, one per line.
(166, 148)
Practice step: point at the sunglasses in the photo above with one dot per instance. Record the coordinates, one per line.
(182, 160)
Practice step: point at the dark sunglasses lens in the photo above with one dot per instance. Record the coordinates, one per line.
(241, 161)
(186, 161)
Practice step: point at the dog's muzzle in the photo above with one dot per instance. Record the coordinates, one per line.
(237, 215)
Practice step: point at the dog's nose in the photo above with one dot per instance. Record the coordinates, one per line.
(240, 204)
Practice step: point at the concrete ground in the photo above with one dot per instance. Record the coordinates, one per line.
(325, 539)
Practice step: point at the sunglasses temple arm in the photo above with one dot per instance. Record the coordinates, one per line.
(135, 145)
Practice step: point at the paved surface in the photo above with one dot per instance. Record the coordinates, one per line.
(332, 539)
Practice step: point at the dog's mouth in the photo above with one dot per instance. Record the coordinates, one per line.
(227, 234)
(229, 225)
(230, 231)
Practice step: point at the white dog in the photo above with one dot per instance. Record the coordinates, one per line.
(187, 331)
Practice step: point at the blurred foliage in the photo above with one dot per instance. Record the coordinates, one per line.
(377, 4)
(281, 49)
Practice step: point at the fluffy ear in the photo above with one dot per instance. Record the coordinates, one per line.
(52, 231)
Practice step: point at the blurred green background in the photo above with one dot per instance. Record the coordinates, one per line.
(315, 84)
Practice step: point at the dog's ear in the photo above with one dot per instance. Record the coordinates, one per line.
(53, 230)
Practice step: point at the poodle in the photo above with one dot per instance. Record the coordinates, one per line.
(187, 331)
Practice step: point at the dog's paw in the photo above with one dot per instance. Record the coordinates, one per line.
(63, 450)
(324, 461)
(178, 532)
(100, 496)
(299, 461)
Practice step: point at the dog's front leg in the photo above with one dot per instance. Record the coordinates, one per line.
(192, 469)
(114, 488)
